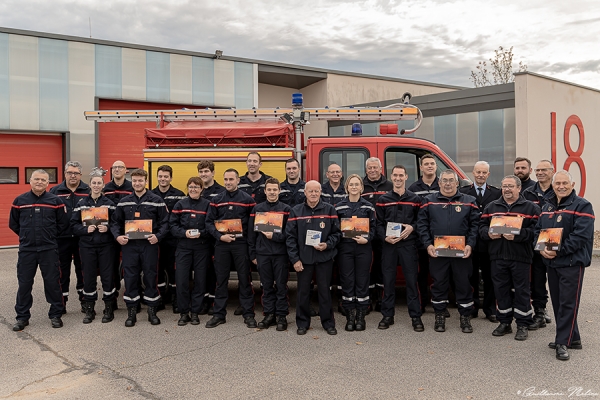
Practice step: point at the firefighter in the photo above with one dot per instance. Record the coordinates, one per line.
(188, 224)
(321, 220)
(484, 194)
(355, 254)
(269, 253)
(523, 170)
(95, 247)
(167, 246)
(117, 188)
(540, 193)
(206, 172)
(510, 256)
(566, 266)
(450, 213)
(292, 189)
(399, 206)
(333, 191)
(70, 191)
(38, 218)
(376, 185)
(141, 254)
(253, 182)
(229, 210)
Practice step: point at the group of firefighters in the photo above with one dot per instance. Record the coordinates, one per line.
(198, 238)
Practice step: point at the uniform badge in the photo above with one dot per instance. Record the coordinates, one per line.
(231, 207)
(559, 218)
(457, 208)
(371, 196)
(308, 221)
(322, 225)
(193, 215)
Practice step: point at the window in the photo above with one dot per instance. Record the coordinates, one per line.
(52, 172)
(410, 159)
(9, 175)
(352, 161)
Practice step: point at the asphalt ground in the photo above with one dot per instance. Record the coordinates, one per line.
(110, 361)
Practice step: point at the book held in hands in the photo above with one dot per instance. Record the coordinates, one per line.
(549, 239)
(449, 246)
(353, 227)
(94, 216)
(268, 222)
(138, 228)
(313, 238)
(393, 229)
(506, 224)
(230, 227)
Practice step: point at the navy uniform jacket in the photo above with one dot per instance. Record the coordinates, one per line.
(38, 220)
(375, 189)
(258, 243)
(96, 238)
(170, 197)
(422, 189)
(149, 206)
(70, 198)
(538, 196)
(187, 214)
(255, 189)
(230, 205)
(491, 193)
(576, 216)
(360, 209)
(292, 195)
(115, 193)
(527, 184)
(454, 216)
(330, 196)
(210, 192)
(520, 248)
(322, 218)
(391, 207)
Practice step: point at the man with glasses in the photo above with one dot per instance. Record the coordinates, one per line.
(332, 191)
(70, 191)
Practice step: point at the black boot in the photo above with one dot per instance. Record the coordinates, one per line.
(282, 323)
(115, 304)
(108, 313)
(465, 324)
(350, 319)
(268, 320)
(174, 303)
(360, 320)
(440, 322)
(131, 316)
(154, 320)
(90, 314)
(539, 317)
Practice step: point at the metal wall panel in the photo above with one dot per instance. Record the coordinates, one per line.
(24, 82)
(4, 83)
(510, 140)
(491, 142)
(108, 71)
(467, 140)
(54, 84)
(224, 83)
(426, 130)
(445, 134)
(181, 79)
(244, 85)
(134, 74)
(203, 81)
(158, 76)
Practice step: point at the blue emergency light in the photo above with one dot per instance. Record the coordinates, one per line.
(297, 100)
(356, 129)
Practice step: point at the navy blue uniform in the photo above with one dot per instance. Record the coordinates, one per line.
(575, 216)
(404, 209)
(526, 184)
(272, 259)
(138, 254)
(68, 243)
(330, 196)
(96, 250)
(322, 218)
(38, 220)
(292, 195)
(211, 278)
(228, 206)
(256, 189)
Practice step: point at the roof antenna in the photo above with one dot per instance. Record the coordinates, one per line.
(90, 21)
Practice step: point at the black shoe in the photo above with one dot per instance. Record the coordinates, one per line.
(533, 327)
(282, 323)
(539, 317)
(108, 314)
(131, 316)
(522, 333)
(238, 311)
(82, 303)
(90, 314)
(184, 319)
(20, 325)
(502, 329)
(446, 313)
(465, 324)
(215, 321)
(350, 320)
(331, 330)
(250, 322)
(575, 345)
(385, 322)
(152, 318)
(418, 324)
(174, 303)
(360, 325)
(547, 317)
(313, 312)
(204, 308)
(440, 322)
(268, 320)
(301, 331)
(195, 320)
(562, 353)
(211, 310)
(491, 318)
(56, 322)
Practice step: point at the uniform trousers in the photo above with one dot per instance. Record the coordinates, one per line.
(507, 275)
(49, 264)
(355, 263)
(211, 278)
(116, 264)
(376, 275)
(140, 256)
(539, 293)
(407, 257)
(189, 260)
(227, 255)
(565, 293)
(274, 273)
(166, 264)
(440, 269)
(481, 261)
(68, 253)
(423, 277)
(323, 276)
(96, 260)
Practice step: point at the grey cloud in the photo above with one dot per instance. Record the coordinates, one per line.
(561, 67)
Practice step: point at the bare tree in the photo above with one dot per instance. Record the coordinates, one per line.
(498, 71)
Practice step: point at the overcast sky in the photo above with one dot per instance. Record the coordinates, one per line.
(427, 40)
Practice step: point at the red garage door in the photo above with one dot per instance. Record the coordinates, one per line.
(21, 155)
